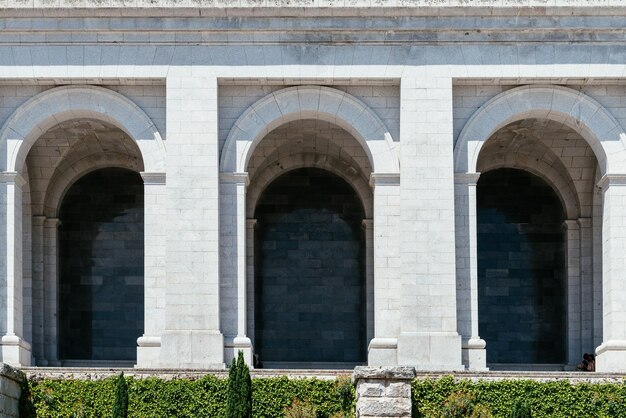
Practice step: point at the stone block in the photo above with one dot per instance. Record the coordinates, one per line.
(371, 390)
(384, 407)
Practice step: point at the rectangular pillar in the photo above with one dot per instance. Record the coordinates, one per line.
(429, 338)
(473, 353)
(192, 336)
(612, 352)
(15, 350)
(155, 221)
(383, 348)
(51, 291)
(586, 284)
(233, 265)
(573, 291)
(38, 289)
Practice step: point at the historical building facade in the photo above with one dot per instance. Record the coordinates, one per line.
(440, 184)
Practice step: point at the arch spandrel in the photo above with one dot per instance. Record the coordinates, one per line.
(573, 108)
(61, 104)
(309, 102)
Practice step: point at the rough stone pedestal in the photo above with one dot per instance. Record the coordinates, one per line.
(383, 391)
(10, 390)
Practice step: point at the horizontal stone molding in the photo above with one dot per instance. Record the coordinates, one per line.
(384, 179)
(12, 177)
(153, 178)
(395, 373)
(609, 180)
(236, 178)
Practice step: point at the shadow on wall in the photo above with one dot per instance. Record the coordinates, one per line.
(521, 268)
(101, 256)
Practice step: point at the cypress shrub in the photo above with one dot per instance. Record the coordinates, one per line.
(239, 396)
(120, 407)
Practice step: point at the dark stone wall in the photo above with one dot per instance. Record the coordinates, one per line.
(101, 264)
(310, 270)
(521, 268)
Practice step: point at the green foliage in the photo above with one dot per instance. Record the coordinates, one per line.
(26, 407)
(120, 407)
(184, 398)
(300, 409)
(239, 397)
(520, 409)
(559, 399)
(458, 404)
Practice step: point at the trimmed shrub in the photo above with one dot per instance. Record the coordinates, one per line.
(559, 399)
(184, 398)
(520, 410)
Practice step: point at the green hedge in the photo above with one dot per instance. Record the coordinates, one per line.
(546, 399)
(205, 397)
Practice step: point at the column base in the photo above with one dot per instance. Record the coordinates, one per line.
(474, 355)
(148, 352)
(192, 350)
(15, 351)
(611, 357)
(430, 350)
(382, 352)
(232, 346)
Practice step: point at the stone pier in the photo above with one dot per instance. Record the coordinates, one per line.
(383, 391)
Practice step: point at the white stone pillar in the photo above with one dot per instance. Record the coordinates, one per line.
(586, 284)
(572, 240)
(368, 227)
(383, 348)
(15, 350)
(473, 352)
(429, 338)
(612, 352)
(38, 291)
(155, 220)
(51, 291)
(192, 336)
(233, 261)
(250, 239)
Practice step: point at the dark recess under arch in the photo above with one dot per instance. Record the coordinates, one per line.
(310, 270)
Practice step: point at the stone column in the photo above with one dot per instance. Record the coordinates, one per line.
(612, 352)
(38, 290)
(15, 350)
(572, 239)
(233, 263)
(368, 226)
(586, 284)
(382, 349)
(383, 391)
(429, 338)
(473, 352)
(192, 337)
(51, 291)
(155, 204)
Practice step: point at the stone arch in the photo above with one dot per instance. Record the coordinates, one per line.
(62, 181)
(329, 163)
(60, 104)
(309, 102)
(537, 159)
(573, 108)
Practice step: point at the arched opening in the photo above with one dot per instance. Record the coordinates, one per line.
(521, 269)
(101, 267)
(310, 293)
